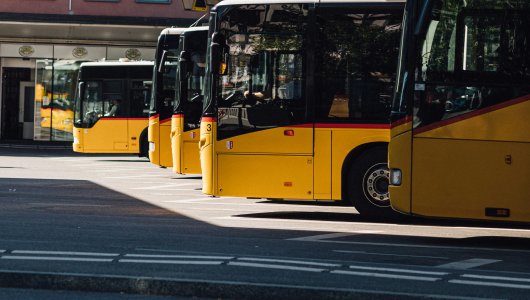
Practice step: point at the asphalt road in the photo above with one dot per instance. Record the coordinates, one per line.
(111, 216)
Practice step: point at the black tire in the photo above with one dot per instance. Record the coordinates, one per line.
(144, 146)
(367, 185)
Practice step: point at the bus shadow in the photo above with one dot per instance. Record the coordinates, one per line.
(400, 219)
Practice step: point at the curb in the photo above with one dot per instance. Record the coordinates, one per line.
(182, 287)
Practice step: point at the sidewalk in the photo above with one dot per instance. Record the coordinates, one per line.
(30, 144)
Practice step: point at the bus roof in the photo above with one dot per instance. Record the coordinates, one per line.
(198, 28)
(116, 63)
(243, 2)
(173, 30)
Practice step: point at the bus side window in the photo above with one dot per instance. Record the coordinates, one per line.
(357, 54)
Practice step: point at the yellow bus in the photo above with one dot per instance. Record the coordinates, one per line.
(163, 96)
(460, 145)
(111, 107)
(185, 122)
(298, 99)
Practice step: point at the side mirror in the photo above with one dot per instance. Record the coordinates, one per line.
(183, 65)
(218, 56)
(162, 63)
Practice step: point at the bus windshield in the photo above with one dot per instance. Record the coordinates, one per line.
(467, 54)
(190, 95)
(262, 84)
(165, 76)
(112, 91)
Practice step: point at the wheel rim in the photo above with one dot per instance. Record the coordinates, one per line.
(375, 185)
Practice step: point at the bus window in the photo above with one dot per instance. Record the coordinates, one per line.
(358, 54)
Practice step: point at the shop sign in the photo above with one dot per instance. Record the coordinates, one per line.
(26, 51)
(133, 54)
(79, 52)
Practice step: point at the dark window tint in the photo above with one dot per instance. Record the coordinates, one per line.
(357, 55)
(263, 85)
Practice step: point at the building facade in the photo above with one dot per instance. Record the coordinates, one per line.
(43, 42)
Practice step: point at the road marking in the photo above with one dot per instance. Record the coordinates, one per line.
(496, 278)
(67, 204)
(399, 270)
(468, 263)
(135, 176)
(269, 266)
(178, 256)
(381, 275)
(320, 237)
(389, 254)
(173, 262)
(2, 251)
(64, 253)
(288, 261)
(56, 258)
(164, 186)
(113, 170)
(490, 284)
(191, 200)
(323, 238)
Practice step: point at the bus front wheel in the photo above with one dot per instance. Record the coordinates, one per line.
(367, 184)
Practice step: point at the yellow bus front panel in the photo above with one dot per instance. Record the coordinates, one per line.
(177, 125)
(493, 166)
(164, 150)
(208, 133)
(185, 147)
(399, 158)
(153, 136)
(190, 158)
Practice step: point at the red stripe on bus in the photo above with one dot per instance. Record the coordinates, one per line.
(165, 121)
(472, 114)
(353, 126)
(177, 116)
(401, 121)
(154, 117)
(209, 119)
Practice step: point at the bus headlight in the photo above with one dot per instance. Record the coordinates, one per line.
(151, 147)
(395, 177)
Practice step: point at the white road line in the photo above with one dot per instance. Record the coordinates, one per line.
(389, 254)
(288, 261)
(164, 186)
(468, 263)
(171, 262)
(496, 278)
(187, 200)
(178, 256)
(63, 253)
(320, 237)
(135, 176)
(399, 270)
(46, 258)
(113, 170)
(381, 275)
(68, 204)
(490, 284)
(2, 251)
(315, 238)
(269, 266)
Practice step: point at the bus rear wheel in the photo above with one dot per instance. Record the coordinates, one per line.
(367, 185)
